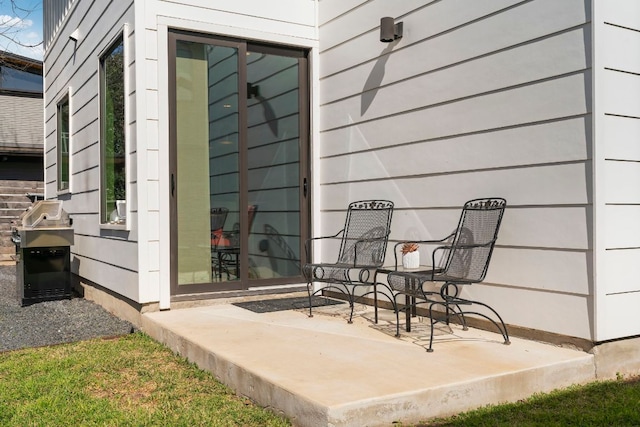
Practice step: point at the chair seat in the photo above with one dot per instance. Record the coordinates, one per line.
(339, 272)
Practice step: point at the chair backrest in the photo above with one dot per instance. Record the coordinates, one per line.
(218, 218)
(366, 233)
(478, 226)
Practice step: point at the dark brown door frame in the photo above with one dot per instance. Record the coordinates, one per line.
(304, 181)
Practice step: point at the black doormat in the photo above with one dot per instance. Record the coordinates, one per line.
(281, 304)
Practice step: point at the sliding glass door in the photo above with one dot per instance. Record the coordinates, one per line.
(239, 168)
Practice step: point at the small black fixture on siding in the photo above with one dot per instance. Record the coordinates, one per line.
(389, 31)
(253, 91)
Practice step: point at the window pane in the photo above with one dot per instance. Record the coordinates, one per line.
(63, 144)
(113, 141)
(14, 79)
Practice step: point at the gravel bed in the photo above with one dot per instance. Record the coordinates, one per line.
(51, 322)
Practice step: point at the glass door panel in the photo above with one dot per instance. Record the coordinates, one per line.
(273, 163)
(207, 162)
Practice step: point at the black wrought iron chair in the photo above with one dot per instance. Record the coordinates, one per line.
(461, 259)
(362, 250)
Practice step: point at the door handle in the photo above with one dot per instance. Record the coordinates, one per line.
(304, 187)
(173, 185)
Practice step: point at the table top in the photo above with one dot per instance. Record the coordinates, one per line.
(401, 268)
(231, 249)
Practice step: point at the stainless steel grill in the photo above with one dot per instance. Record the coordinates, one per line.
(43, 237)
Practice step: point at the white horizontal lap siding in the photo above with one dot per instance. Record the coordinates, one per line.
(553, 57)
(423, 50)
(553, 99)
(477, 99)
(618, 173)
(541, 143)
(109, 259)
(559, 313)
(95, 246)
(621, 136)
(295, 11)
(249, 19)
(120, 280)
(541, 186)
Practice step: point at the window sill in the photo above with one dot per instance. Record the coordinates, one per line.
(114, 227)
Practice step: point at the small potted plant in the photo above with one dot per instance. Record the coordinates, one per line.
(410, 255)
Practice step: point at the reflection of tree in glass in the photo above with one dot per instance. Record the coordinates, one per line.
(114, 125)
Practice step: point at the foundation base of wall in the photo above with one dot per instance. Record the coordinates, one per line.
(615, 359)
(115, 304)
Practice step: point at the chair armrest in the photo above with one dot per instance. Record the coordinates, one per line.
(361, 241)
(450, 247)
(307, 243)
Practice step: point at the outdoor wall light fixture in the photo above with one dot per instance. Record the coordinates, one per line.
(389, 31)
(253, 91)
(75, 36)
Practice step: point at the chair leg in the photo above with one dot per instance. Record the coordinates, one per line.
(375, 302)
(397, 311)
(352, 302)
(433, 322)
(407, 308)
(457, 311)
(501, 327)
(448, 313)
(309, 286)
(345, 291)
(392, 299)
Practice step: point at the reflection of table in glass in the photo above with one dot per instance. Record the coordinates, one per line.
(228, 256)
(410, 288)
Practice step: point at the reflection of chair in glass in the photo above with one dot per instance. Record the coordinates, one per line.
(462, 259)
(362, 249)
(218, 218)
(229, 254)
(283, 260)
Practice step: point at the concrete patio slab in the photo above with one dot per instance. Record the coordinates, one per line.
(322, 371)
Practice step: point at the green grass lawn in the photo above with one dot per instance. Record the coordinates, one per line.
(135, 381)
(606, 403)
(128, 381)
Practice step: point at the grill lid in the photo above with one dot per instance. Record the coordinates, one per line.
(45, 213)
(44, 224)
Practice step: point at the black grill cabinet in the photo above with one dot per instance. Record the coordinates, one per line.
(43, 239)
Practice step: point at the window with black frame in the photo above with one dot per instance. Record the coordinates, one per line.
(113, 144)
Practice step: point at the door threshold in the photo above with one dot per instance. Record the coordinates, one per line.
(220, 297)
(282, 288)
